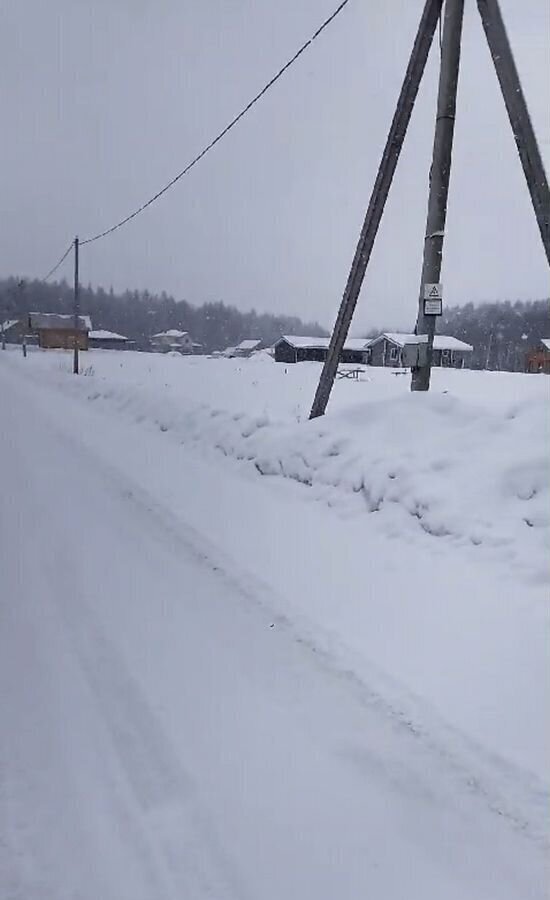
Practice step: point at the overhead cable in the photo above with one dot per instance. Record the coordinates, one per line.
(222, 133)
(56, 267)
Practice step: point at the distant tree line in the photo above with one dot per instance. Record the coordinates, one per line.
(139, 314)
(501, 333)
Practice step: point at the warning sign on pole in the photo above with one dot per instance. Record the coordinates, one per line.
(433, 299)
(433, 308)
(433, 292)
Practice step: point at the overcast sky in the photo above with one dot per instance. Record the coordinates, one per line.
(103, 101)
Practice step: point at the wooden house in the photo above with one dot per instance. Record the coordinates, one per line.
(294, 348)
(107, 340)
(388, 349)
(172, 340)
(56, 330)
(539, 360)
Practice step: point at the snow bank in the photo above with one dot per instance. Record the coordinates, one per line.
(430, 571)
(465, 463)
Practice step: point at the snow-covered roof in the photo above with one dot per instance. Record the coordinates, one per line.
(545, 343)
(171, 333)
(58, 321)
(441, 341)
(9, 323)
(107, 335)
(248, 345)
(321, 343)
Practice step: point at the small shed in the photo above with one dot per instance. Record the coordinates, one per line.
(387, 349)
(172, 340)
(246, 347)
(539, 360)
(57, 331)
(297, 348)
(12, 330)
(107, 340)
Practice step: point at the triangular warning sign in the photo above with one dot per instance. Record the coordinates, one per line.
(434, 292)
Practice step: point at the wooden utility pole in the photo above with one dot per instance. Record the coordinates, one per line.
(390, 157)
(23, 317)
(518, 113)
(526, 142)
(440, 173)
(76, 308)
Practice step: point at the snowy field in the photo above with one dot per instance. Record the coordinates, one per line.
(263, 657)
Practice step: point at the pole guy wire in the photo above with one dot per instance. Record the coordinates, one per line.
(56, 267)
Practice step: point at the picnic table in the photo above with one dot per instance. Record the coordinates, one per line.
(349, 373)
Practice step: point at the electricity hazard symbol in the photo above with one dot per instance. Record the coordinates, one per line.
(433, 292)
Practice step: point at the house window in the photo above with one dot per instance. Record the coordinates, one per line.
(446, 358)
(394, 354)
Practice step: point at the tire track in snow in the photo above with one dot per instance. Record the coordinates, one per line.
(179, 827)
(508, 792)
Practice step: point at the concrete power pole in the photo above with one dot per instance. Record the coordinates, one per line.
(439, 181)
(76, 308)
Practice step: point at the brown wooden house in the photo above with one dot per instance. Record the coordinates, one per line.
(539, 360)
(57, 331)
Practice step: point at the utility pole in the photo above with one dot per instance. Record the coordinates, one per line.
(530, 157)
(76, 307)
(518, 113)
(390, 157)
(440, 173)
(22, 317)
(489, 346)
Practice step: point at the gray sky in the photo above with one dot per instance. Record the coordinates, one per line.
(103, 101)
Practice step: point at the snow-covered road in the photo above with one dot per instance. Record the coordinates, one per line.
(165, 735)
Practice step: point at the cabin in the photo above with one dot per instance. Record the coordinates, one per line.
(57, 331)
(107, 340)
(539, 360)
(389, 349)
(294, 348)
(172, 340)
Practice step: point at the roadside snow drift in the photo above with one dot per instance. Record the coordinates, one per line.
(466, 463)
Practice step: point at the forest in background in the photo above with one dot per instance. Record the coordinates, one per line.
(140, 314)
(500, 332)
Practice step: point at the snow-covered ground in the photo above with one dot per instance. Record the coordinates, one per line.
(328, 683)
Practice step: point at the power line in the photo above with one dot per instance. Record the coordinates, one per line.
(222, 134)
(56, 267)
